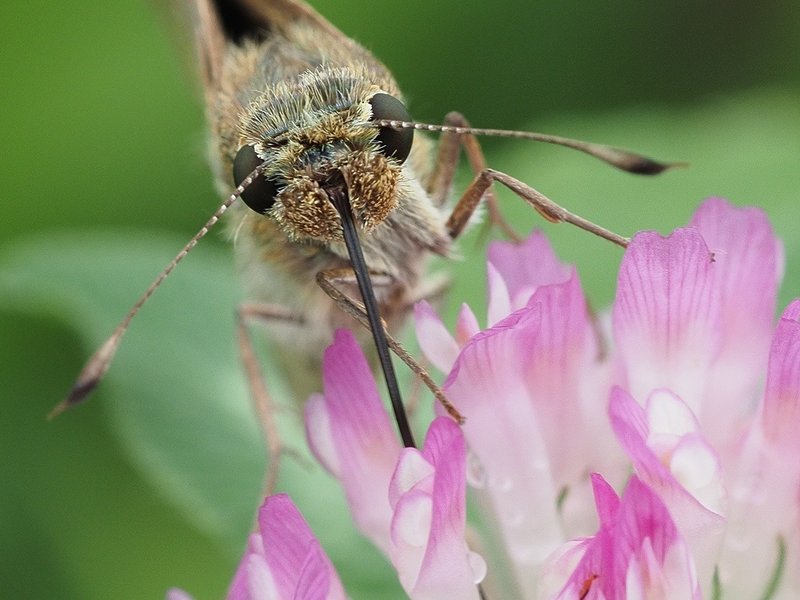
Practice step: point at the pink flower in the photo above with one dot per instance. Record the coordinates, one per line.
(428, 497)
(670, 454)
(694, 314)
(679, 389)
(685, 397)
(763, 537)
(637, 552)
(533, 390)
(411, 504)
(283, 561)
(351, 435)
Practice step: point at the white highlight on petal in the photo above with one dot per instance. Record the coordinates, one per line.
(412, 522)
(478, 566)
(412, 471)
(695, 465)
(676, 439)
(668, 415)
(260, 583)
(319, 434)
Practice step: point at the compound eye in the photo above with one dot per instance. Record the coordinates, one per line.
(394, 142)
(259, 195)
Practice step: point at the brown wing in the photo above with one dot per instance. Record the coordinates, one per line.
(221, 22)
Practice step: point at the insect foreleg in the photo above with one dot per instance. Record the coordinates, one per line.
(330, 281)
(262, 400)
(441, 181)
(551, 211)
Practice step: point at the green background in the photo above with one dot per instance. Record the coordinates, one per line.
(153, 482)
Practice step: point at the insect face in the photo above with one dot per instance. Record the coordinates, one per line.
(316, 139)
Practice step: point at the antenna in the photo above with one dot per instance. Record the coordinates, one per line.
(621, 159)
(96, 367)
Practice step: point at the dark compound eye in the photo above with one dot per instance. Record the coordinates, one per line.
(395, 142)
(259, 195)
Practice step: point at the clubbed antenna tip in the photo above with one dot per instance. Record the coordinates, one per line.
(91, 374)
(100, 361)
(621, 159)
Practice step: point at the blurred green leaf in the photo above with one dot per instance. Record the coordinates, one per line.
(175, 393)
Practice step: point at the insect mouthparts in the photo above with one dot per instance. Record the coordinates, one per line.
(335, 185)
(338, 196)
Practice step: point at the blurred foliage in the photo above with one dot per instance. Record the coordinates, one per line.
(153, 482)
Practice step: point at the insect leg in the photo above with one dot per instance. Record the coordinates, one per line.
(262, 400)
(542, 204)
(441, 180)
(330, 282)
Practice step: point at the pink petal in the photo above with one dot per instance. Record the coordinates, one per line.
(559, 567)
(650, 543)
(435, 341)
(466, 325)
(439, 347)
(562, 366)
(411, 525)
(781, 412)
(430, 552)
(594, 572)
(315, 574)
(529, 390)
(488, 384)
(293, 554)
(606, 500)
(413, 471)
(667, 314)
(631, 425)
(446, 450)
(526, 265)
(284, 560)
(177, 594)
(748, 267)
(253, 579)
(350, 431)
